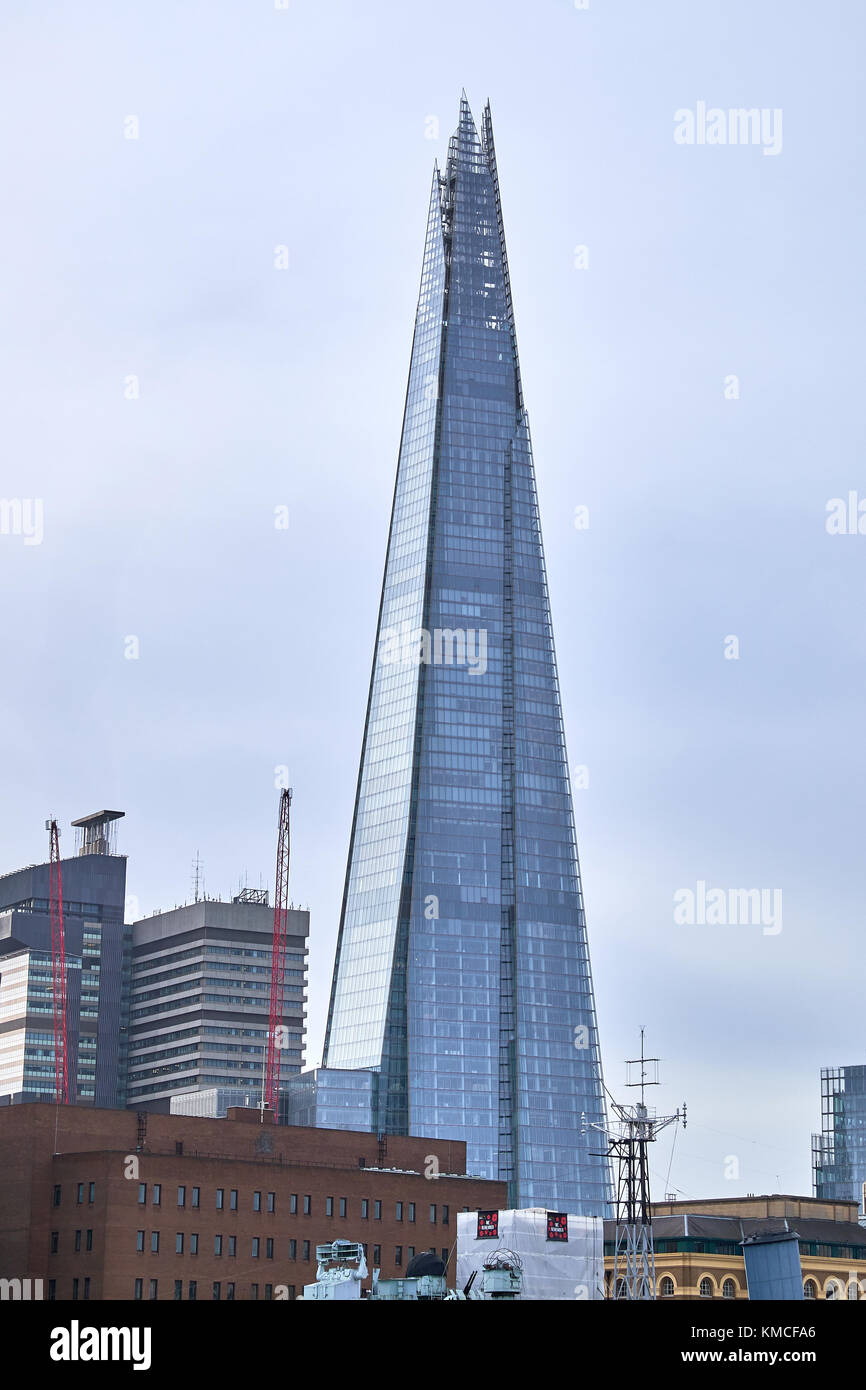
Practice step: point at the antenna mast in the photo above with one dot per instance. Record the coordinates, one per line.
(278, 956)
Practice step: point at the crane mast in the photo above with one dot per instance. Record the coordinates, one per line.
(58, 964)
(278, 956)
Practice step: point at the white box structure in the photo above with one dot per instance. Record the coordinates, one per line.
(561, 1254)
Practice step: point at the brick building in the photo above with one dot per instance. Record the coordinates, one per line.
(108, 1204)
(698, 1252)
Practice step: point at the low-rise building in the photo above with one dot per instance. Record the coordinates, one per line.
(112, 1204)
(699, 1254)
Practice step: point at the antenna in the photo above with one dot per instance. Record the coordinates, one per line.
(196, 876)
(635, 1127)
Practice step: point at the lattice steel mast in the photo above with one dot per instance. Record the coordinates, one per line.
(58, 964)
(278, 955)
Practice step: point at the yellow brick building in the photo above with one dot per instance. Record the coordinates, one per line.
(698, 1253)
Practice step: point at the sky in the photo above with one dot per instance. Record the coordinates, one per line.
(212, 238)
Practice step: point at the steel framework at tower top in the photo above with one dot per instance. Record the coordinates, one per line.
(278, 955)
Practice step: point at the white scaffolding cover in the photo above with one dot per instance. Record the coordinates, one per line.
(552, 1269)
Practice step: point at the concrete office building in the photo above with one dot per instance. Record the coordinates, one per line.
(201, 979)
(98, 956)
(226, 1209)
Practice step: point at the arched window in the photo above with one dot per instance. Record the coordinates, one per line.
(706, 1288)
(809, 1290)
(729, 1289)
(666, 1286)
(832, 1290)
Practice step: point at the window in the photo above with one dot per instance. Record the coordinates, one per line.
(269, 1248)
(216, 1291)
(411, 1211)
(57, 1191)
(196, 1195)
(272, 1201)
(432, 1213)
(52, 1290)
(77, 1240)
(257, 1201)
(86, 1289)
(75, 1288)
(91, 1193)
(217, 1245)
(193, 1243)
(80, 1197)
(178, 1243)
(809, 1289)
(832, 1289)
(178, 1146)
(230, 1292)
(308, 1206)
(377, 1255)
(706, 1288)
(139, 1241)
(399, 1211)
(255, 1247)
(157, 1193)
(410, 1252)
(254, 1291)
(181, 1196)
(445, 1216)
(269, 1290)
(398, 1255)
(729, 1289)
(293, 1203)
(154, 1285)
(88, 1240)
(329, 1207)
(220, 1198)
(178, 1290)
(293, 1249)
(139, 1286)
(233, 1199)
(154, 1242)
(233, 1245)
(142, 1193)
(193, 1290)
(342, 1206)
(377, 1211)
(306, 1251)
(444, 1254)
(55, 1238)
(365, 1208)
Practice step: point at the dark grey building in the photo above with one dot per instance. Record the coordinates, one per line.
(98, 957)
(201, 982)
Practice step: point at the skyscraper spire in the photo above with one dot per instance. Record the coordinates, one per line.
(462, 974)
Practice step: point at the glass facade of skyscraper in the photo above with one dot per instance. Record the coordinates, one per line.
(839, 1151)
(462, 975)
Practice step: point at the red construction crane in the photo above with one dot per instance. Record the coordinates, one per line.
(58, 963)
(278, 956)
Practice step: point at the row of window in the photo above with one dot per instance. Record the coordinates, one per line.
(835, 1289)
(192, 1290)
(271, 1203)
(79, 1197)
(228, 1245)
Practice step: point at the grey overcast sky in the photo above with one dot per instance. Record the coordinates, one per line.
(314, 128)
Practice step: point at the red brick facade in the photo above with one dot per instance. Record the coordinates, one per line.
(89, 1182)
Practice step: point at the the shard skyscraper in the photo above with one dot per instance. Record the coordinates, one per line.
(462, 976)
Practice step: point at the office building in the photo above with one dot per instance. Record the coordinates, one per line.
(839, 1151)
(462, 976)
(113, 1205)
(98, 955)
(201, 978)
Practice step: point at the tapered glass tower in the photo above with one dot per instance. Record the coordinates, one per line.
(462, 975)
